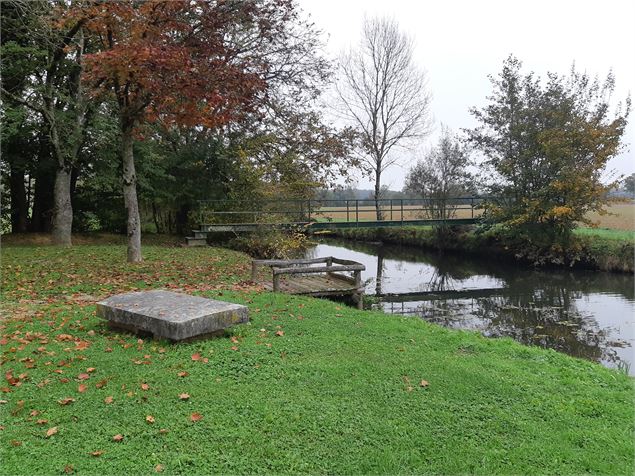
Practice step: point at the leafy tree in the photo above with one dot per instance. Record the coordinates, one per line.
(383, 95)
(177, 63)
(546, 145)
(53, 88)
(442, 174)
(629, 184)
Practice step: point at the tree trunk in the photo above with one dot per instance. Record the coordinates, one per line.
(182, 219)
(130, 197)
(44, 191)
(19, 205)
(379, 278)
(62, 209)
(155, 217)
(378, 195)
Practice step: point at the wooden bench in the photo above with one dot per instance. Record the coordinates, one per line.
(305, 276)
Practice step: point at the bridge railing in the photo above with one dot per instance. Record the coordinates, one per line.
(303, 211)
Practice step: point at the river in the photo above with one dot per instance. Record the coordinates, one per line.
(586, 314)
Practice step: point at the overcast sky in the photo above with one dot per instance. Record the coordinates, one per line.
(460, 42)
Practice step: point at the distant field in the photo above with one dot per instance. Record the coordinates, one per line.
(621, 215)
(367, 213)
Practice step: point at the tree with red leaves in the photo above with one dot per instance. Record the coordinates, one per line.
(179, 63)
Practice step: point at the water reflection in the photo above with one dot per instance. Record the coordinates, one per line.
(583, 313)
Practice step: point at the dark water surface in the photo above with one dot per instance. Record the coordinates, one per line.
(586, 314)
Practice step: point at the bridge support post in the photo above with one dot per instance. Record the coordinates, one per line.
(359, 297)
(276, 282)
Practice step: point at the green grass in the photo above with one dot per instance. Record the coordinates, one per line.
(606, 233)
(338, 392)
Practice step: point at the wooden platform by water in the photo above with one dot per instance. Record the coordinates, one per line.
(301, 277)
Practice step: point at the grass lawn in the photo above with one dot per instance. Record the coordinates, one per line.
(308, 386)
(607, 233)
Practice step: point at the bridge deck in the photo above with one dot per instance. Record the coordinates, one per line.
(329, 225)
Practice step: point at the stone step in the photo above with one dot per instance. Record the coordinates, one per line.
(200, 234)
(195, 241)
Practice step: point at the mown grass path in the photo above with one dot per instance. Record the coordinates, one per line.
(308, 386)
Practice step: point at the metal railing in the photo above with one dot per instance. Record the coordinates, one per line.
(333, 210)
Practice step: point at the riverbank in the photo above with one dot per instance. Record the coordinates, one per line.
(308, 387)
(604, 250)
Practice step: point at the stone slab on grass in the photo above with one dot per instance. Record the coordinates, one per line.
(170, 315)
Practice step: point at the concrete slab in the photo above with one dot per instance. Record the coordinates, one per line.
(170, 315)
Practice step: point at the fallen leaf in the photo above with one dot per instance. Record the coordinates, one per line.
(183, 374)
(158, 468)
(82, 388)
(66, 401)
(234, 348)
(16, 443)
(97, 453)
(196, 417)
(51, 431)
(196, 356)
(163, 431)
(184, 396)
(150, 419)
(423, 383)
(145, 386)
(280, 333)
(108, 399)
(42, 422)
(117, 438)
(101, 383)
(83, 377)
(90, 370)
(34, 413)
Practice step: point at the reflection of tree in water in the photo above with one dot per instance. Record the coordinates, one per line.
(547, 317)
(444, 278)
(533, 307)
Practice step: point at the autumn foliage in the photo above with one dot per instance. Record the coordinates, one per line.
(179, 63)
(172, 61)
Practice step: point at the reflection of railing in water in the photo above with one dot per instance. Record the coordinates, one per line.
(434, 295)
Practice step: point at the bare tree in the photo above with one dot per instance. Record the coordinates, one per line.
(383, 94)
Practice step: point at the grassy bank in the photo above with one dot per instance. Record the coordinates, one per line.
(307, 387)
(602, 249)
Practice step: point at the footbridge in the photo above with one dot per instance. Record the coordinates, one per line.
(318, 215)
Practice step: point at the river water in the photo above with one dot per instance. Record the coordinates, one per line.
(586, 314)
